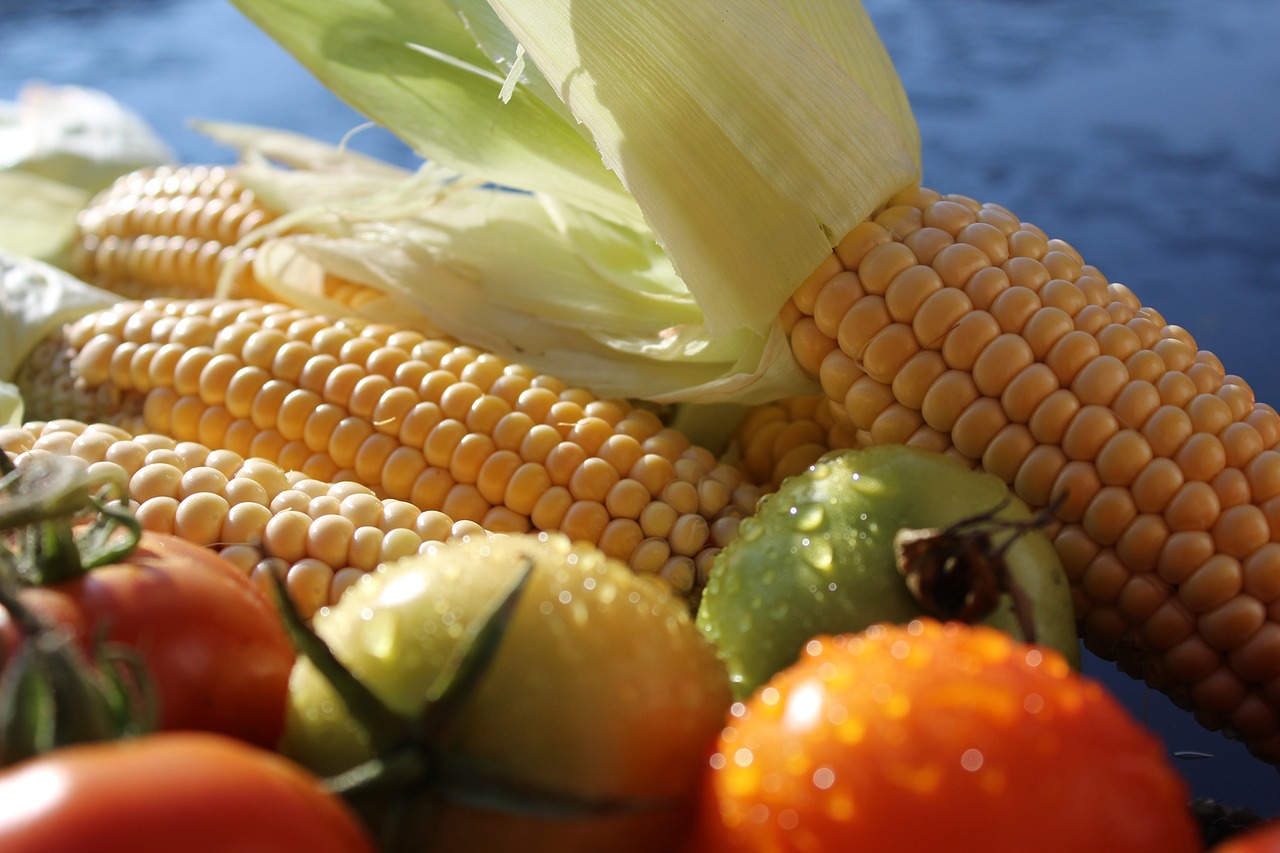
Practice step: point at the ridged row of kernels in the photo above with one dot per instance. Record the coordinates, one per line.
(952, 325)
(444, 426)
(209, 201)
(319, 537)
(178, 266)
(780, 439)
(169, 231)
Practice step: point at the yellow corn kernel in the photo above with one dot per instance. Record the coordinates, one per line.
(1162, 469)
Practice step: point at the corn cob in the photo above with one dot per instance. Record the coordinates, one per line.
(319, 538)
(174, 230)
(951, 325)
(425, 420)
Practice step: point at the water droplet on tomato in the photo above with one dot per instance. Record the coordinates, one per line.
(819, 554)
(809, 516)
(824, 777)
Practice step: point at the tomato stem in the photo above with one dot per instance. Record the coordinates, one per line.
(462, 783)
(397, 770)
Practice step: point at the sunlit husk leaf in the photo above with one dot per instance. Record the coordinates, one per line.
(587, 300)
(750, 149)
(35, 298)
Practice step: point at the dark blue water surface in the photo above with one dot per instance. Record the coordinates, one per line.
(1145, 134)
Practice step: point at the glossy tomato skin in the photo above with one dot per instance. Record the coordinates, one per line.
(216, 651)
(937, 737)
(193, 792)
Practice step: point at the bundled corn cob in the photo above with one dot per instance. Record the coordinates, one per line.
(318, 537)
(424, 420)
(940, 323)
(951, 325)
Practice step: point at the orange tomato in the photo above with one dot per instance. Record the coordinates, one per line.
(932, 737)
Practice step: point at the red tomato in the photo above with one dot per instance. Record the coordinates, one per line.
(213, 644)
(187, 791)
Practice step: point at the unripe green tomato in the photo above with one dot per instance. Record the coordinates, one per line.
(818, 557)
(601, 687)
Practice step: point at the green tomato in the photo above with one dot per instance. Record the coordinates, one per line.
(819, 558)
(600, 688)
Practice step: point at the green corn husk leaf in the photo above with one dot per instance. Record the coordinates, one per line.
(38, 216)
(415, 68)
(750, 148)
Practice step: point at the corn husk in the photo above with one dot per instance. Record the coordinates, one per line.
(679, 172)
(35, 298)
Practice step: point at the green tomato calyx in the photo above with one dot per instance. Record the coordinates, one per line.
(51, 693)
